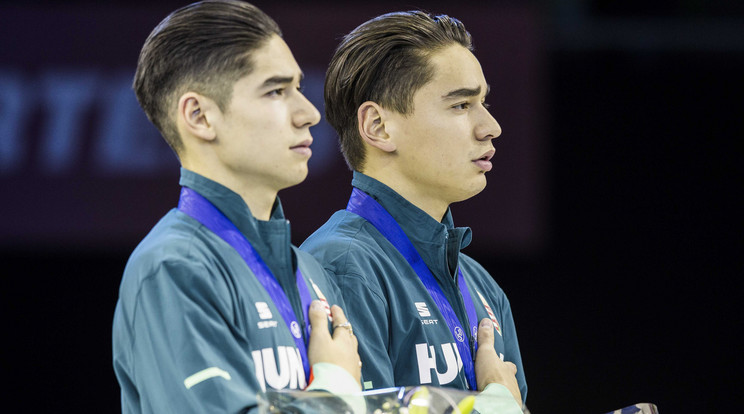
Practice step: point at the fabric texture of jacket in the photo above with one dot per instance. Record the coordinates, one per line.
(194, 330)
(403, 338)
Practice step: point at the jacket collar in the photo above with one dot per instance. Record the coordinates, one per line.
(271, 238)
(438, 243)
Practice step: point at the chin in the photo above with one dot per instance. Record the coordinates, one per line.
(475, 187)
(297, 178)
(290, 180)
(464, 195)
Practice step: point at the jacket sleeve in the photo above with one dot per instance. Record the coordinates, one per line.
(186, 353)
(496, 398)
(368, 312)
(511, 345)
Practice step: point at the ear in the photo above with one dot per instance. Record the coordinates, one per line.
(371, 121)
(194, 115)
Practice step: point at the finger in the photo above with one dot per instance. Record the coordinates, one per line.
(318, 319)
(485, 334)
(337, 312)
(339, 318)
(512, 367)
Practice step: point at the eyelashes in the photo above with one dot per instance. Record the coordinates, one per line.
(283, 91)
(467, 105)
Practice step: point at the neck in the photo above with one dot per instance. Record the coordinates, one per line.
(206, 159)
(260, 203)
(430, 204)
(257, 195)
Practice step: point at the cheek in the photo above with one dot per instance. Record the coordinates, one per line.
(437, 164)
(434, 144)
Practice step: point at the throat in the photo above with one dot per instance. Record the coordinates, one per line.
(431, 204)
(260, 207)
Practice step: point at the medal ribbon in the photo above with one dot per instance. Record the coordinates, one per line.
(200, 209)
(368, 208)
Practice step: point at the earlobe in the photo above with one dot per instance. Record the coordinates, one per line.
(194, 115)
(372, 128)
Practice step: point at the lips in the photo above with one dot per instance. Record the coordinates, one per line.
(484, 161)
(303, 148)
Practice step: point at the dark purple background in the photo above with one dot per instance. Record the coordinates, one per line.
(611, 218)
(115, 177)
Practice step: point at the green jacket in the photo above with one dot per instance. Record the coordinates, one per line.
(194, 330)
(403, 339)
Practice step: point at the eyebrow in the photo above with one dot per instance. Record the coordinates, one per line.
(466, 92)
(280, 80)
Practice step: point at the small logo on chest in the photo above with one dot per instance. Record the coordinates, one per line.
(423, 311)
(264, 312)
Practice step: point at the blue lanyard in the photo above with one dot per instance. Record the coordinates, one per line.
(200, 209)
(368, 208)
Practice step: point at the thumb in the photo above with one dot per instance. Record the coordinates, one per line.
(485, 334)
(318, 319)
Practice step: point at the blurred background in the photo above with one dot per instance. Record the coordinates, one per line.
(610, 217)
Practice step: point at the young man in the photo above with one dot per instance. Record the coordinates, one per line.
(215, 303)
(407, 98)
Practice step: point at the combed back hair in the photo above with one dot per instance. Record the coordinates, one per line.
(385, 60)
(204, 47)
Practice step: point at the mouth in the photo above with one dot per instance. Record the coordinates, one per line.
(303, 148)
(484, 162)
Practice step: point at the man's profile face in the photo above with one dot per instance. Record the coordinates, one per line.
(264, 134)
(445, 145)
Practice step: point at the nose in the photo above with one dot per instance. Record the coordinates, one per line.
(306, 114)
(488, 128)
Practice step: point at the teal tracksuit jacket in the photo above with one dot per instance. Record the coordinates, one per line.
(194, 330)
(403, 339)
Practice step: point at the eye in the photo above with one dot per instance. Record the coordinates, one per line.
(301, 89)
(486, 105)
(462, 106)
(275, 92)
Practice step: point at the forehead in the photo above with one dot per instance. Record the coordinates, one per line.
(455, 67)
(272, 60)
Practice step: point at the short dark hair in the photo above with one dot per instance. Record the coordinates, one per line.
(385, 60)
(204, 47)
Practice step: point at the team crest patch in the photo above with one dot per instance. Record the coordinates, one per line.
(322, 299)
(490, 313)
(459, 334)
